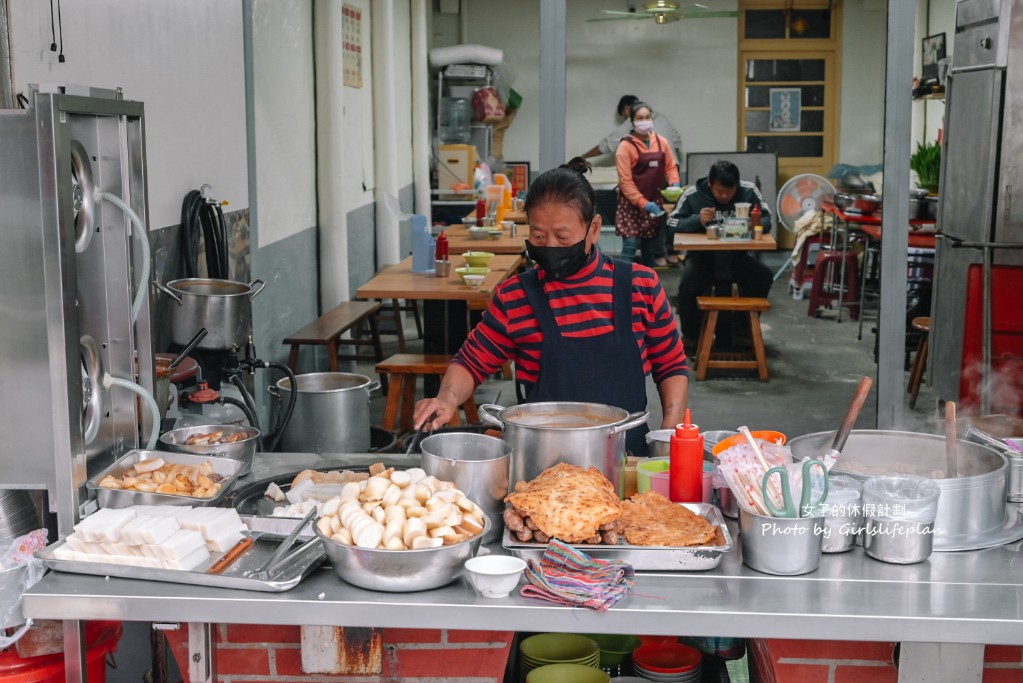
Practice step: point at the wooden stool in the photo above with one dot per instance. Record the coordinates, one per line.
(391, 311)
(404, 369)
(827, 288)
(916, 375)
(328, 328)
(706, 359)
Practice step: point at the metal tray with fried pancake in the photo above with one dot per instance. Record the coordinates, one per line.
(647, 557)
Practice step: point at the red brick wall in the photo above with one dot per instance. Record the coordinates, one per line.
(249, 653)
(834, 661)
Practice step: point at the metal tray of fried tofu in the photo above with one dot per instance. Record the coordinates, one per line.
(286, 573)
(226, 470)
(647, 557)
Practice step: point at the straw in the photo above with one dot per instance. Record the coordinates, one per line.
(776, 498)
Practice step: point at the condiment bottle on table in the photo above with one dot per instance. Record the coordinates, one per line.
(441, 250)
(685, 474)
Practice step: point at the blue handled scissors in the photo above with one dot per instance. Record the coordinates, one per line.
(806, 503)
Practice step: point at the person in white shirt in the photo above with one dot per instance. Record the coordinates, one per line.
(662, 126)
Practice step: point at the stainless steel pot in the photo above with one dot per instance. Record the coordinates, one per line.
(543, 434)
(969, 507)
(223, 307)
(478, 464)
(331, 413)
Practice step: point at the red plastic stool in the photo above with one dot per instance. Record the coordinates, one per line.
(827, 287)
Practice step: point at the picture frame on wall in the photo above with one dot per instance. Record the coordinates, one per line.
(932, 51)
(518, 174)
(785, 109)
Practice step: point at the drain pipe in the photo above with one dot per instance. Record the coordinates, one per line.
(385, 132)
(332, 217)
(421, 142)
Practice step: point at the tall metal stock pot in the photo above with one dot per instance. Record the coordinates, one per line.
(223, 307)
(331, 413)
(970, 506)
(543, 434)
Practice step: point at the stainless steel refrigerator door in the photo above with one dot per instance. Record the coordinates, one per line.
(970, 154)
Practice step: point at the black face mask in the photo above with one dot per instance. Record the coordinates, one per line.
(559, 262)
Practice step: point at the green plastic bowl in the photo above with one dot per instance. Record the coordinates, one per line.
(614, 648)
(478, 259)
(567, 673)
(671, 193)
(465, 270)
(558, 647)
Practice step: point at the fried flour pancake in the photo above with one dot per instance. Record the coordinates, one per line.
(652, 519)
(567, 502)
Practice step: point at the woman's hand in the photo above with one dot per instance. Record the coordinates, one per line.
(652, 209)
(433, 413)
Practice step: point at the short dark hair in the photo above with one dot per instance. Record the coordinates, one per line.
(724, 173)
(626, 101)
(636, 106)
(564, 185)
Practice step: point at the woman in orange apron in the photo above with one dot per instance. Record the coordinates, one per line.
(646, 165)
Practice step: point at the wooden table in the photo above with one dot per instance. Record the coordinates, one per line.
(517, 216)
(698, 241)
(446, 322)
(460, 242)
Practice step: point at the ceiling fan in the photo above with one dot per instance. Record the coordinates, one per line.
(663, 12)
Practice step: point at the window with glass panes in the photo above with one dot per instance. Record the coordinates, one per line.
(788, 89)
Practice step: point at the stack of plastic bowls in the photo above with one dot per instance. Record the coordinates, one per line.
(843, 514)
(668, 662)
(614, 650)
(567, 673)
(557, 648)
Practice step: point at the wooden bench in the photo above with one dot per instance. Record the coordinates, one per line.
(404, 369)
(328, 328)
(706, 358)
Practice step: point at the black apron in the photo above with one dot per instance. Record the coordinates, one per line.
(606, 369)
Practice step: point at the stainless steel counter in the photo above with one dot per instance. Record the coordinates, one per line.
(973, 597)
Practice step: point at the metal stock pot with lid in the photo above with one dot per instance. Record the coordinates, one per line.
(543, 434)
(223, 307)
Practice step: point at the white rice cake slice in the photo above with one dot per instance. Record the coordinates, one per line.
(181, 544)
(75, 542)
(221, 540)
(159, 529)
(159, 510)
(66, 553)
(190, 561)
(104, 525)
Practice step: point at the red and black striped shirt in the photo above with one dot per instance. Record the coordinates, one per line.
(582, 307)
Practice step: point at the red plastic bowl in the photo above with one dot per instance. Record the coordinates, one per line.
(667, 658)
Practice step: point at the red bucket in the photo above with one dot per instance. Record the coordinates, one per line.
(101, 638)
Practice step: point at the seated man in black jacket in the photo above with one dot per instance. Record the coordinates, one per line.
(697, 208)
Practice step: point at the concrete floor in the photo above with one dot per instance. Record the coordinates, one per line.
(814, 363)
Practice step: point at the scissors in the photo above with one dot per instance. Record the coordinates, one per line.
(788, 509)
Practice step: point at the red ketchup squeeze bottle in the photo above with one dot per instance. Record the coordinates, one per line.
(441, 250)
(481, 212)
(685, 476)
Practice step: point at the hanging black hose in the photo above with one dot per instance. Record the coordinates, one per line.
(250, 403)
(200, 213)
(275, 440)
(249, 415)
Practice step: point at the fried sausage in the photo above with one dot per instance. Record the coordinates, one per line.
(530, 523)
(524, 535)
(540, 537)
(609, 537)
(512, 520)
(593, 540)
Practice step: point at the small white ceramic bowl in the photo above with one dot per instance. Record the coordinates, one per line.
(494, 576)
(474, 281)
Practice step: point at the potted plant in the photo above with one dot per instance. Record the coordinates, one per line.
(926, 161)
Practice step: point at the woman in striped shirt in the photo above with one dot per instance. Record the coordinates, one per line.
(580, 327)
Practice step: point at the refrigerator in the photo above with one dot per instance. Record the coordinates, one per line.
(981, 203)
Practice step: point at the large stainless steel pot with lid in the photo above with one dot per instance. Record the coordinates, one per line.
(970, 506)
(223, 307)
(543, 434)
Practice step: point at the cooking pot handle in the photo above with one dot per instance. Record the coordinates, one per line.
(168, 291)
(633, 420)
(256, 290)
(373, 386)
(272, 390)
(488, 411)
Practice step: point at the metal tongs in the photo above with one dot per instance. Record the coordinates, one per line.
(265, 571)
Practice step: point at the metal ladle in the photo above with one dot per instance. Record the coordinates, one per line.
(951, 465)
